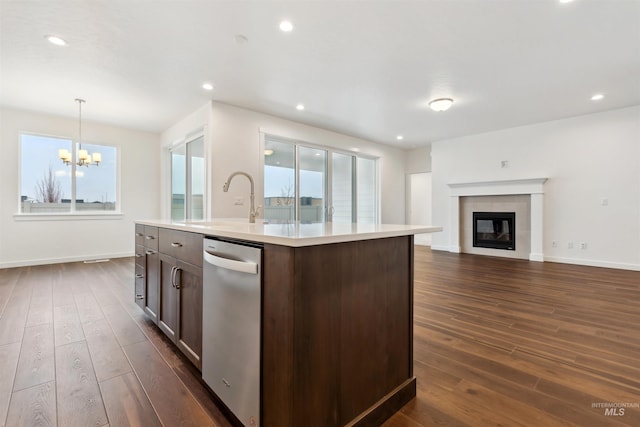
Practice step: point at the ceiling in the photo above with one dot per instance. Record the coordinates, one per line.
(363, 68)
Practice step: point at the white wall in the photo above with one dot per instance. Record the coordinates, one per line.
(586, 158)
(418, 160)
(47, 241)
(236, 145)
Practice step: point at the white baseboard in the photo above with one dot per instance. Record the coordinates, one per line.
(43, 261)
(594, 263)
(536, 257)
(541, 258)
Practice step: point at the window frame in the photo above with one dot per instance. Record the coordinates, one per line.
(73, 213)
(328, 216)
(184, 142)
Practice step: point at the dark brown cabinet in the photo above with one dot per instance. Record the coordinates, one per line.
(175, 267)
(146, 274)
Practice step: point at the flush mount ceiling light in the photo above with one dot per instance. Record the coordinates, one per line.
(286, 26)
(597, 97)
(83, 156)
(441, 104)
(300, 107)
(56, 40)
(565, 1)
(207, 86)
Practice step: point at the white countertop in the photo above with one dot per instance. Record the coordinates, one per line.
(292, 234)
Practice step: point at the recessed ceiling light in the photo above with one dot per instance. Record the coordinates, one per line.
(286, 26)
(399, 137)
(207, 86)
(300, 107)
(441, 104)
(565, 1)
(268, 152)
(597, 97)
(56, 40)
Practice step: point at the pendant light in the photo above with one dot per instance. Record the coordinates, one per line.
(84, 158)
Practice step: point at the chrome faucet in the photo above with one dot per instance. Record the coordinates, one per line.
(253, 212)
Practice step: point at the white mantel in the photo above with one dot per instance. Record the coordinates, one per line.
(530, 186)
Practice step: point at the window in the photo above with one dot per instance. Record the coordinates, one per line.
(188, 180)
(49, 186)
(317, 184)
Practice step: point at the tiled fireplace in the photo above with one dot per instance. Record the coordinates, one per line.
(521, 198)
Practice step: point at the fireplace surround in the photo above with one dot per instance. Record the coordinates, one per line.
(531, 187)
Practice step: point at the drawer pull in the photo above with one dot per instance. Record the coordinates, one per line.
(139, 255)
(139, 296)
(176, 245)
(150, 252)
(139, 276)
(149, 237)
(139, 234)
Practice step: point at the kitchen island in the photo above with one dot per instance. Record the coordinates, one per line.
(336, 319)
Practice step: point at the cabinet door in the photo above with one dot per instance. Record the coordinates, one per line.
(139, 286)
(189, 340)
(168, 307)
(152, 285)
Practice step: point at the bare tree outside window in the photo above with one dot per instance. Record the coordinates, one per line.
(49, 189)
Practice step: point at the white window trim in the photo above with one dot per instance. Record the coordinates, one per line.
(189, 137)
(68, 216)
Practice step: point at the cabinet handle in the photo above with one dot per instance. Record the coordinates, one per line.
(175, 278)
(150, 252)
(139, 296)
(139, 234)
(176, 245)
(139, 255)
(149, 237)
(139, 276)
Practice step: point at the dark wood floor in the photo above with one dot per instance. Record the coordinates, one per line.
(497, 342)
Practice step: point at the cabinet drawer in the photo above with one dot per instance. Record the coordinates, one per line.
(182, 245)
(139, 234)
(140, 256)
(151, 237)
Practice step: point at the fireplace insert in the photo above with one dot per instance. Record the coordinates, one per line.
(496, 230)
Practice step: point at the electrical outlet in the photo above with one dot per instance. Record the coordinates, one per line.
(604, 201)
(583, 245)
(238, 201)
(554, 244)
(570, 245)
(504, 164)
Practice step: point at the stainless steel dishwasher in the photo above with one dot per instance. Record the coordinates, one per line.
(231, 301)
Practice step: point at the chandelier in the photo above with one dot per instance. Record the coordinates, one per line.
(84, 157)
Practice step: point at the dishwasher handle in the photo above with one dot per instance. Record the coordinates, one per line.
(231, 264)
